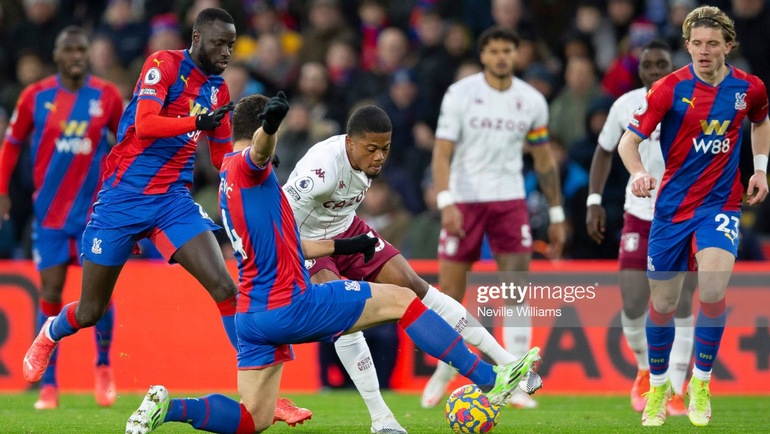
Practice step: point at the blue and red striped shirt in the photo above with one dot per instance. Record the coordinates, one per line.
(700, 136)
(70, 138)
(161, 155)
(260, 224)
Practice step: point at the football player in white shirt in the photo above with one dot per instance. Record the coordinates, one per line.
(324, 191)
(654, 63)
(486, 121)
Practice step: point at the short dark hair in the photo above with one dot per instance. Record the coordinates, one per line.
(368, 119)
(657, 44)
(207, 16)
(71, 30)
(245, 114)
(494, 33)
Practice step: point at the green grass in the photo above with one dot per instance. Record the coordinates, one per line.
(344, 412)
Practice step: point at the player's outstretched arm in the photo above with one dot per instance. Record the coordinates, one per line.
(547, 170)
(263, 142)
(597, 178)
(628, 148)
(760, 145)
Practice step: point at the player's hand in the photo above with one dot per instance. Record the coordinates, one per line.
(757, 188)
(359, 244)
(5, 208)
(643, 184)
(273, 113)
(213, 119)
(557, 235)
(276, 161)
(452, 221)
(595, 223)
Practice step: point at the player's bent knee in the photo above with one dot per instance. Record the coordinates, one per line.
(87, 315)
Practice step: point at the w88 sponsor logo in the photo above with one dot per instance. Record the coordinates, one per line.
(713, 146)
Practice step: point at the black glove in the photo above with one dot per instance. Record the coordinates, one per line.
(276, 161)
(211, 120)
(359, 244)
(273, 113)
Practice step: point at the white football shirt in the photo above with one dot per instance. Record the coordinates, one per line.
(324, 191)
(489, 128)
(621, 113)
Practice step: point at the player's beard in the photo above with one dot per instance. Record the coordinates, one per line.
(206, 64)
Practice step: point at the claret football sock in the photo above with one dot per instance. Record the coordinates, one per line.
(437, 338)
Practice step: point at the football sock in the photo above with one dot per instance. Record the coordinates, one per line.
(103, 335)
(357, 359)
(472, 331)
(64, 324)
(436, 337)
(227, 310)
(660, 336)
(636, 338)
(212, 413)
(681, 352)
(46, 310)
(708, 333)
(517, 332)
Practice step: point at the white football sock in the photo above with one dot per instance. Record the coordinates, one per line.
(357, 359)
(472, 331)
(681, 352)
(636, 338)
(701, 375)
(517, 332)
(658, 379)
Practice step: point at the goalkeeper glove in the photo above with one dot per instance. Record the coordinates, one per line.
(211, 120)
(359, 244)
(273, 113)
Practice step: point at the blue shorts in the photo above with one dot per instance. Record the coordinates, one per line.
(121, 218)
(672, 246)
(321, 314)
(52, 247)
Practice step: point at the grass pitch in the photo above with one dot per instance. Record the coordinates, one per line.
(343, 412)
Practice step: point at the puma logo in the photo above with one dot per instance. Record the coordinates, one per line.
(49, 106)
(184, 79)
(157, 61)
(691, 102)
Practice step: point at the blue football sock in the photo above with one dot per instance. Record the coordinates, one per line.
(708, 334)
(103, 336)
(660, 337)
(213, 413)
(434, 336)
(64, 324)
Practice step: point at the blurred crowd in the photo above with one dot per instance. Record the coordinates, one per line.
(330, 56)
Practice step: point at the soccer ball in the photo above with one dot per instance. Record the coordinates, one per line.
(468, 411)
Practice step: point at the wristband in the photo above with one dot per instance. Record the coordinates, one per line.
(594, 199)
(760, 162)
(444, 198)
(556, 214)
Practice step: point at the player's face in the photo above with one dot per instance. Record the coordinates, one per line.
(212, 47)
(368, 152)
(708, 49)
(654, 64)
(71, 55)
(498, 58)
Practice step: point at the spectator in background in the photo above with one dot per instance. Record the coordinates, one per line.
(672, 30)
(421, 241)
(126, 28)
(383, 211)
(37, 32)
(568, 109)
(622, 76)
(325, 23)
(240, 81)
(542, 79)
(165, 34)
(270, 64)
(266, 20)
(403, 106)
(374, 18)
(313, 91)
(30, 67)
(752, 18)
(298, 134)
(590, 20)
